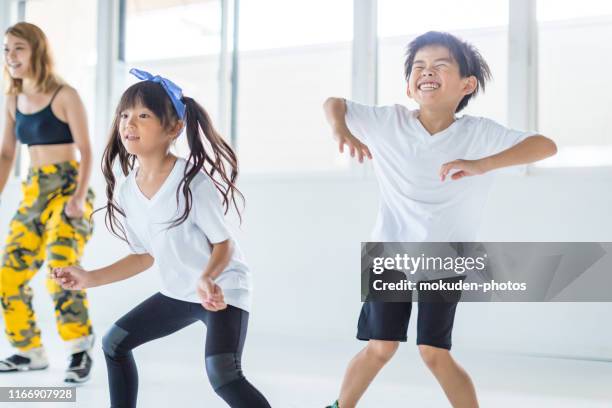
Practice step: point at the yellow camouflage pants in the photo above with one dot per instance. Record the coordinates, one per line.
(41, 230)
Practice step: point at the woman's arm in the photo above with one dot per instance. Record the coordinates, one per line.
(8, 148)
(76, 116)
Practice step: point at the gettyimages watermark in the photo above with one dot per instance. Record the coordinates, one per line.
(486, 271)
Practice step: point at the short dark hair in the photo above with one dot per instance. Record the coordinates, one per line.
(471, 63)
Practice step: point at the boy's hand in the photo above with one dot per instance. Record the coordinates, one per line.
(466, 168)
(210, 294)
(71, 277)
(344, 137)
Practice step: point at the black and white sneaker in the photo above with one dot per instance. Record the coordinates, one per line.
(34, 359)
(79, 368)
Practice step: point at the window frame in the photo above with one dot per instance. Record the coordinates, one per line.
(522, 68)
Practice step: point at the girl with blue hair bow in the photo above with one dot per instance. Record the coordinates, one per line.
(171, 211)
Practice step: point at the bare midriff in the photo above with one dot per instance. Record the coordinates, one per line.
(41, 155)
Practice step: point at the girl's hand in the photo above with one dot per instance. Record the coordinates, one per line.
(466, 168)
(71, 277)
(344, 137)
(75, 207)
(210, 294)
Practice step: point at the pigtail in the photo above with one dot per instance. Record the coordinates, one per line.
(210, 153)
(114, 149)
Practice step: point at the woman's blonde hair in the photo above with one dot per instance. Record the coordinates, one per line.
(41, 61)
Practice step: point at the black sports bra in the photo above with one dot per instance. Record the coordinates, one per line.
(42, 127)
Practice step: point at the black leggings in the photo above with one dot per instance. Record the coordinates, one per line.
(159, 316)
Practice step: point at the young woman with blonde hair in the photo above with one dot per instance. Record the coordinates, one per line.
(52, 222)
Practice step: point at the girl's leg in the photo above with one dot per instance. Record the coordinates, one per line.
(225, 335)
(156, 317)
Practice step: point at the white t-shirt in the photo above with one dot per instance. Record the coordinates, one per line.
(415, 205)
(181, 253)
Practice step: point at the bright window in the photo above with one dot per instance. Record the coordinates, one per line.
(294, 54)
(179, 40)
(75, 63)
(484, 23)
(575, 94)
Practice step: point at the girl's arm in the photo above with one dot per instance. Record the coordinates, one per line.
(219, 258)
(8, 147)
(209, 292)
(122, 269)
(73, 277)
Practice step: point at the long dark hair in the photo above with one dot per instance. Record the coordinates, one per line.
(208, 152)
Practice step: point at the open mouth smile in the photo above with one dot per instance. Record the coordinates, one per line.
(428, 86)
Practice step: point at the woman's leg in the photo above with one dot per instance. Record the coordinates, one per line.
(225, 336)
(65, 243)
(156, 317)
(21, 259)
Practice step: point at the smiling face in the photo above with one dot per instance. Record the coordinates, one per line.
(142, 133)
(17, 56)
(435, 81)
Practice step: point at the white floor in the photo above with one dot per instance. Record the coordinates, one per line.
(300, 374)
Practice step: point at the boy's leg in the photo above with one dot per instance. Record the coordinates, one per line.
(225, 335)
(363, 368)
(65, 240)
(454, 380)
(435, 325)
(156, 317)
(384, 325)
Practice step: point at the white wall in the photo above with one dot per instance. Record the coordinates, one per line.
(301, 234)
(301, 237)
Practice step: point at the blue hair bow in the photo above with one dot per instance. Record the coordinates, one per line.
(174, 92)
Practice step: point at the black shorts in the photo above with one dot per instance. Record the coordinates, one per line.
(389, 321)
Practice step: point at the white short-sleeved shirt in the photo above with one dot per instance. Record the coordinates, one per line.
(181, 253)
(415, 205)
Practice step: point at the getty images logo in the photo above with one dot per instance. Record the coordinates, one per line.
(412, 264)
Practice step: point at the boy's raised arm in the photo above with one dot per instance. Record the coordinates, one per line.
(532, 149)
(335, 113)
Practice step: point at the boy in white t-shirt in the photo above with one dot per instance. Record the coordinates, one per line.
(424, 161)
